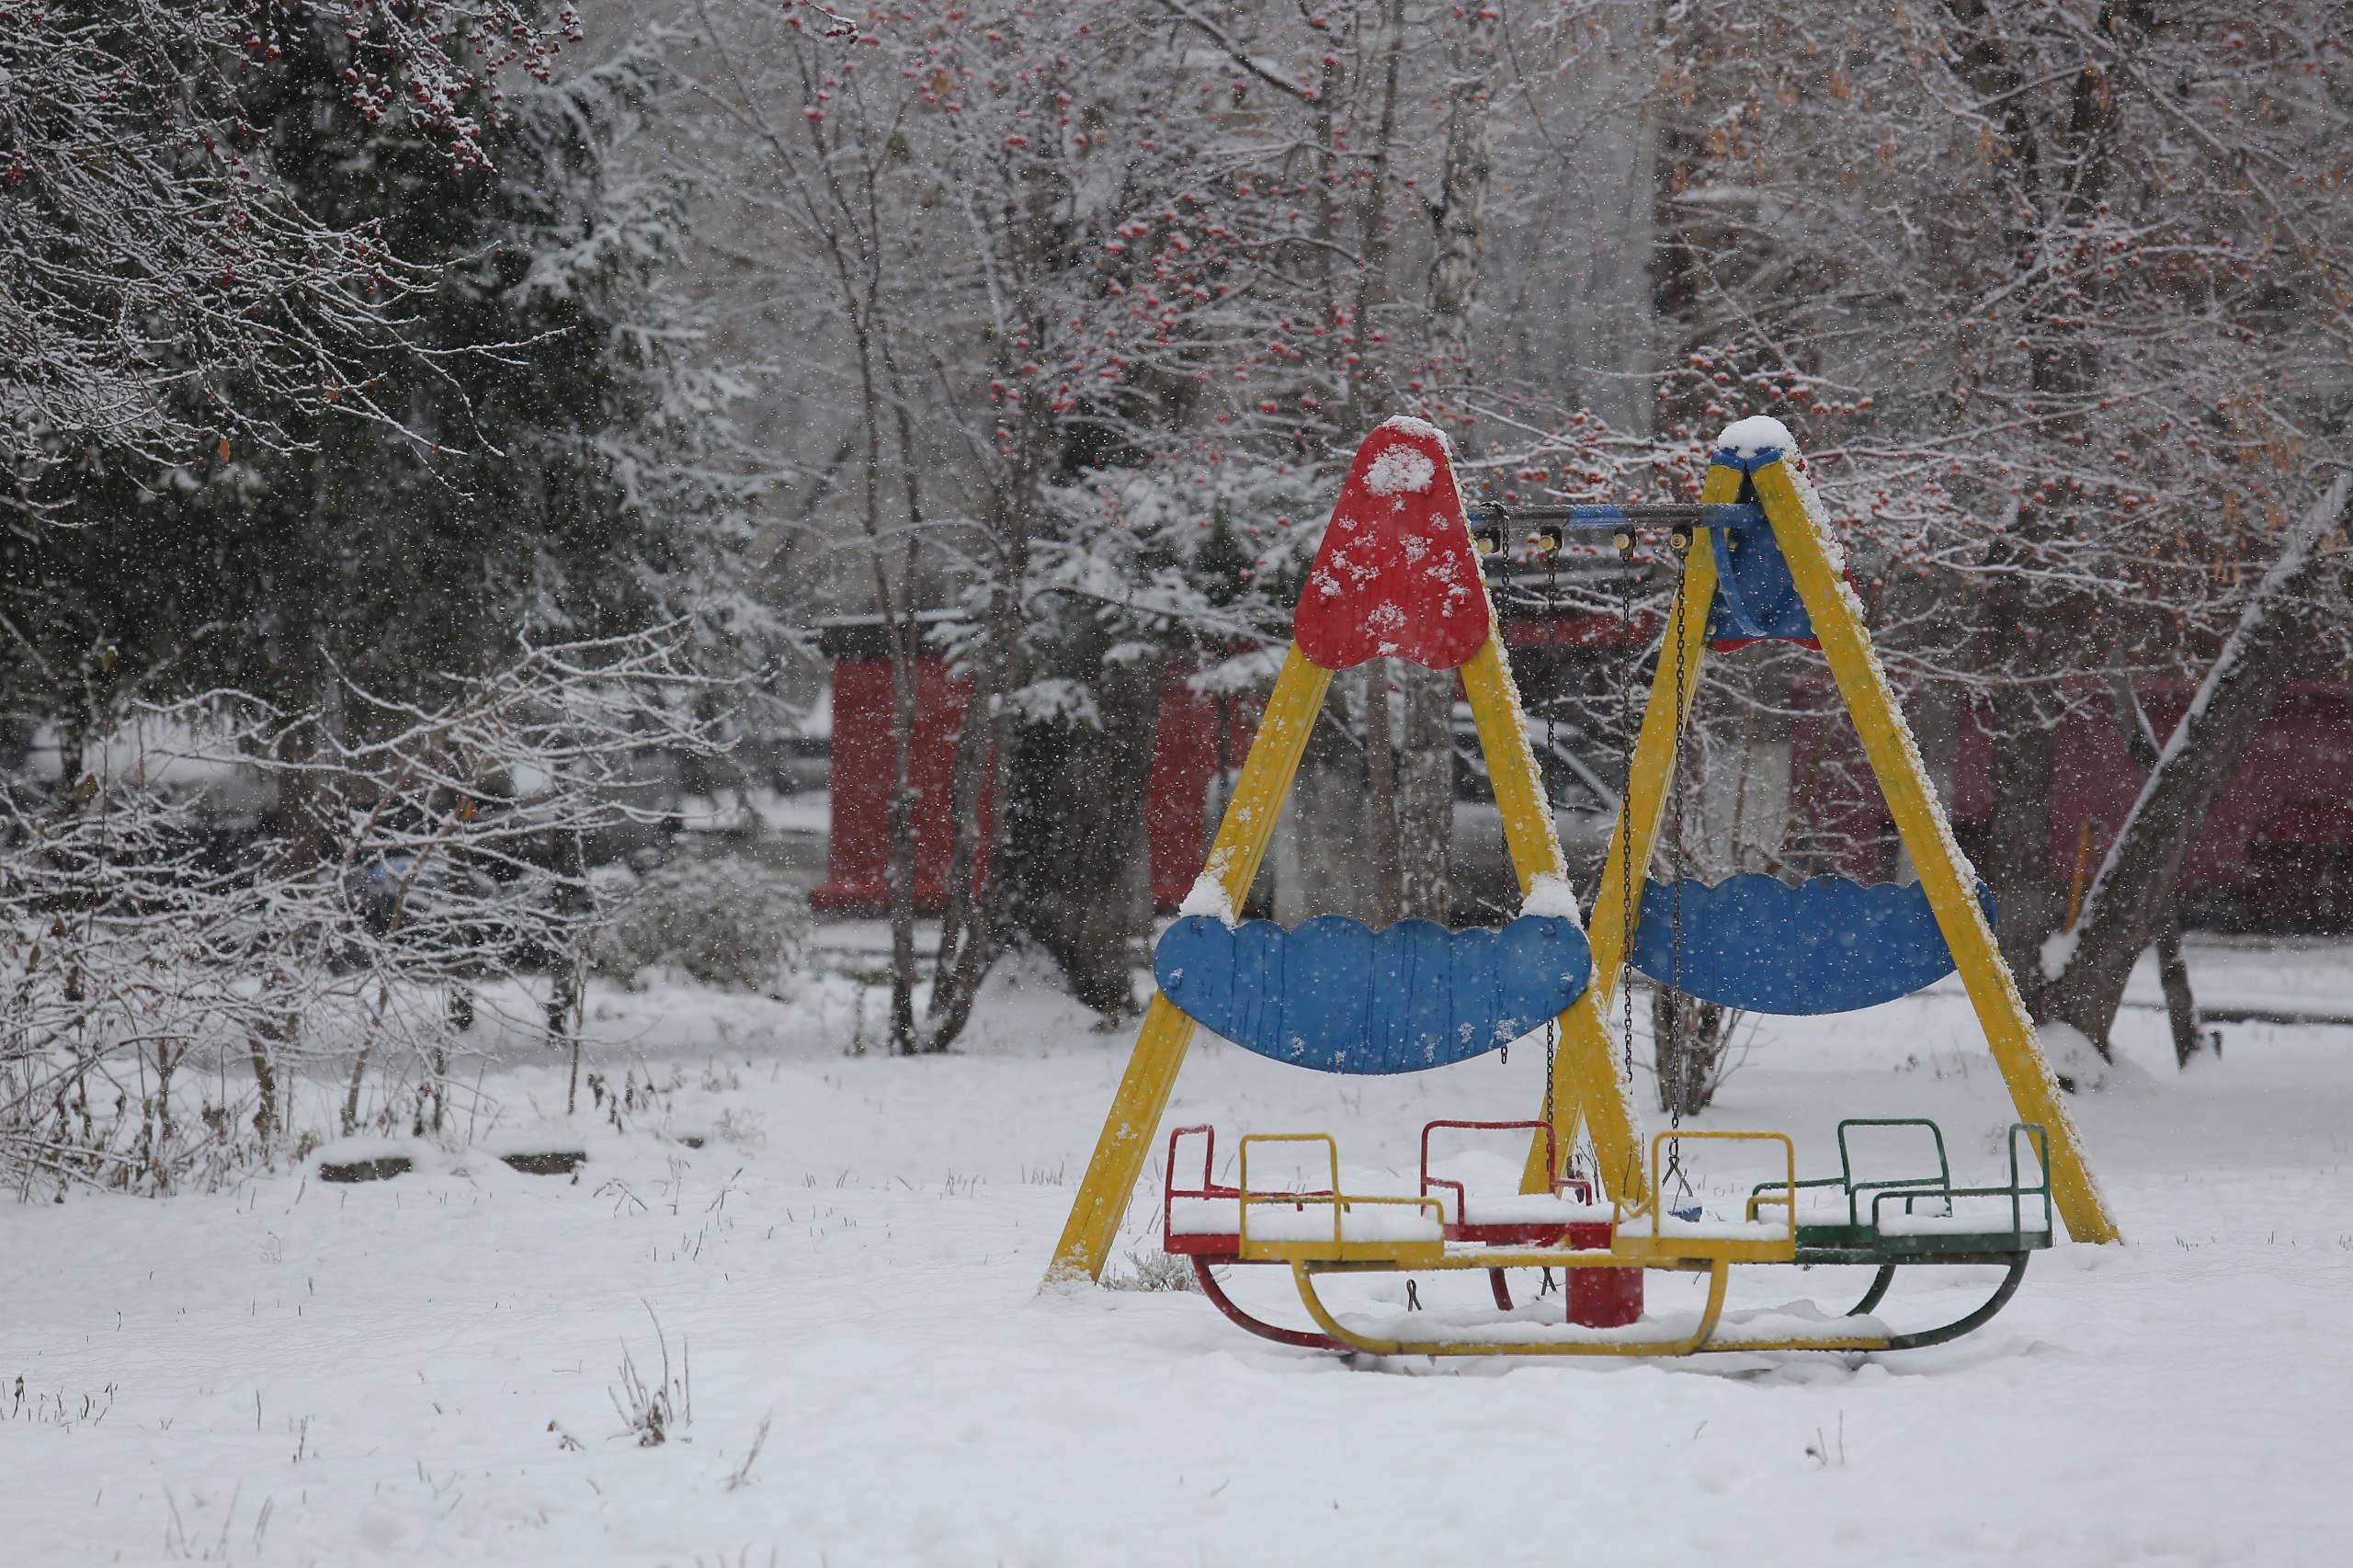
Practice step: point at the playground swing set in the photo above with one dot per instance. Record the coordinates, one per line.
(1398, 576)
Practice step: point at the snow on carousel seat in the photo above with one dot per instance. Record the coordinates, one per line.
(1271, 1218)
(1346, 1228)
(1209, 1226)
(1557, 1211)
(1479, 1194)
(1990, 1216)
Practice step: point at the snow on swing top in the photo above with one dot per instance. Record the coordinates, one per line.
(1395, 578)
(1756, 435)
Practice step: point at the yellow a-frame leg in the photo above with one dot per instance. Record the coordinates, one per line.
(1803, 534)
(1241, 844)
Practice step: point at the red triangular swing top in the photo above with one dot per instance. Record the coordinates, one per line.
(1396, 577)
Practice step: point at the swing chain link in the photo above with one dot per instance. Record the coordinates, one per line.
(1625, 542)
(1679, 805)
(1550, 539)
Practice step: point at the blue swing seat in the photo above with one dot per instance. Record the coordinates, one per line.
(1337, 997)
(1830, 944)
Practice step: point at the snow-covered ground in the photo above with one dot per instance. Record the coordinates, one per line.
(423, 1369)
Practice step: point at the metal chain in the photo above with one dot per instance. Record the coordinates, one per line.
(1679, 804)
(1551, 1053)
(1631, 667)
(1552, 705)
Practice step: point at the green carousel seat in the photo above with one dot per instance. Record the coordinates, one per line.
(1919, 1216)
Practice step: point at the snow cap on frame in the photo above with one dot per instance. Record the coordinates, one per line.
(1749, 444)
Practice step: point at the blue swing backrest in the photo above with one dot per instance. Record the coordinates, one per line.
(1826, 946)
(1756, 596)
(1337, 997)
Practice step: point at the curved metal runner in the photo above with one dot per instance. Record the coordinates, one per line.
(1338, 1336)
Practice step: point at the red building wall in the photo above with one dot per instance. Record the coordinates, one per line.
(859, 848)
(2276, 850)
(1185, 758)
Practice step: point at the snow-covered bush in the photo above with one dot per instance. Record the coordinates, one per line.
(163, 992)
(726, 921)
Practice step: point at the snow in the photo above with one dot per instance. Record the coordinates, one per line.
(1399, 470)
(1207, 896)
(1712, 1229)
(817, 724)
(1549, 894)
(368, 1374)
(2059, 951)
(1537, 1323)
(1205, 1217)
(1526, 1208)
(1757, 433)
(1974, 1218)
(2072, 1055)
(1406, 424)
(1360, 1222)
(360, 1151)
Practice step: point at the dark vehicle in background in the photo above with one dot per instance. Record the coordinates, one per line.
(1584, 812)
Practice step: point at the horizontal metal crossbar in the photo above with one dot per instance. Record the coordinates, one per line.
(1606, 518)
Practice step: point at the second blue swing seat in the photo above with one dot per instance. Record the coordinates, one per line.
(1337, 997)
(1825, 945)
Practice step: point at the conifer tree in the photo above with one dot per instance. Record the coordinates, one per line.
(544, 462)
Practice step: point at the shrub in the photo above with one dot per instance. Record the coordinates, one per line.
(725, 921)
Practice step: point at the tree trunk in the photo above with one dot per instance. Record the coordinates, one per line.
(1462, 195)
(2173, 974)
(2279, 633)
(1328, 865)
(568, 967)
(968, 921)
(969, 925)
(1425, 795)
(1372, 226)
(906, 644)
(1742, 775)
(899, 865)
(2181, 1003)
(2028, 902)
(1075, 863)
(2020, 636)
(1688, 1039)
(1381, 789)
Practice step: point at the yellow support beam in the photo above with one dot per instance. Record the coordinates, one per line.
(1803, 534)
(1241, 844)
(1529, 833)
(1618, 902)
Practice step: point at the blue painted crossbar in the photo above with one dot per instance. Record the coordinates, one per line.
(1605, 518)
(1333, 995)
(1826, 946)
